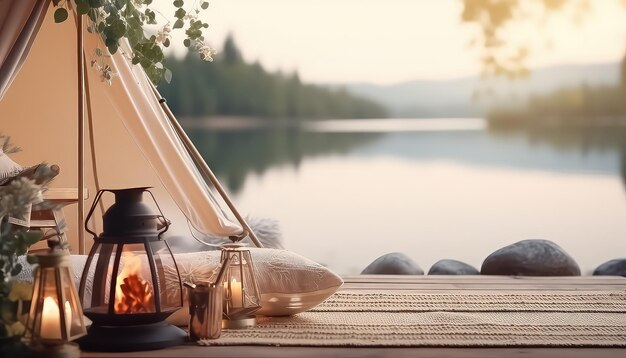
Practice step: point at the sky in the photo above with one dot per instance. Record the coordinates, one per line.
(391, 41)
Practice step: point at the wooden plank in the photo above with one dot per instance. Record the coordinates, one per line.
(496, 283)
(483, 279)
(64, 194)
(479, 291)
(193, 351)
(492, 287)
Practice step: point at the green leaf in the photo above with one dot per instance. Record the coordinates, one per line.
(166, 43)
(119, 28)
(179, 3)
(98, 52)
(204, 5)
(96, 3)
(135, 60)
(167, 75)
(179, 24)
(33, 237)
(187, 42)
(112, 47)
(180, 13)
(60, 15)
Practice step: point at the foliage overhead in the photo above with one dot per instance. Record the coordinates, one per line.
(503, 53)
(115, 20)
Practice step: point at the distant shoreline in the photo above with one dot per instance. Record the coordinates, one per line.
(370, 125)
(521, 121)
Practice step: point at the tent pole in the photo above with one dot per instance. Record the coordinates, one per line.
(205, 168)
(81, 134)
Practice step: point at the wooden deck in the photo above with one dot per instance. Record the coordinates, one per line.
(430, 284)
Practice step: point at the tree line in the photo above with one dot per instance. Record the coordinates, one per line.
(231, 87)
(580, 105)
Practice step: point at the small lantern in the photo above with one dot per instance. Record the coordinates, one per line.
(124, 289)
(56, 316)
(241, 292)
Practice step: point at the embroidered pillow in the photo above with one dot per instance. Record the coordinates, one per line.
(288, 282)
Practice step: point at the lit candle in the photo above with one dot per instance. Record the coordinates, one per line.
(51, 319)
(235, 293)
(68, 317)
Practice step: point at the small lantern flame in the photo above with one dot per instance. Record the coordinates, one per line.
(133, 293)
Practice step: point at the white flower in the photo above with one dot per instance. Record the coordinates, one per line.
(163, 34)
(206, 52)
(106, 72)
(190, 16)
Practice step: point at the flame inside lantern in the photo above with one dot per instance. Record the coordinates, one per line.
(133, 294)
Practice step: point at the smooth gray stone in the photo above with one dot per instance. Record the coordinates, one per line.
(530, 258)
(452, 267)
(395, 263)
(616, 267)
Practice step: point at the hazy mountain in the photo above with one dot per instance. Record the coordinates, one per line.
(471, 96)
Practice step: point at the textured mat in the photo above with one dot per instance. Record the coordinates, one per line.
(476, 302)
(454, 320)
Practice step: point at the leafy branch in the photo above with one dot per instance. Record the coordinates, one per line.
(118, 19)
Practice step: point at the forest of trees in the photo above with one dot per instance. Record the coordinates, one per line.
(570, 106)
(231, 87)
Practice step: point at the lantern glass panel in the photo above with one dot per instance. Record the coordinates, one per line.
(55, 313)
(97, 278)
(46, 311)
(167, 277)
(240, 287)
(134, 284)
(74, 311)
(145, 279)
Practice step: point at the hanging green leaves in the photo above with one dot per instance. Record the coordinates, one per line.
(60, 15)
(118, 19)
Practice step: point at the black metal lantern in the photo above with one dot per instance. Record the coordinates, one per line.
(123, 288)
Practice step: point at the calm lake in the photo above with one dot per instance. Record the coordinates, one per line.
(346, 192)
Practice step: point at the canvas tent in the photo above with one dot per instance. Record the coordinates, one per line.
(129, 139)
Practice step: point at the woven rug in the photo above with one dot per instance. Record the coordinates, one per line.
(453, 320)
(479, 302)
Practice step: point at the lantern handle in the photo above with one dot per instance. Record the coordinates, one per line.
(93, 208)
(166, 223)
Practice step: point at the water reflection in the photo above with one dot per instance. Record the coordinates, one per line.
(234, 154)
(433, 194)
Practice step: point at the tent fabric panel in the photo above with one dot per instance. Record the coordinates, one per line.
(19, 22)
(133, 145)
(131, 94)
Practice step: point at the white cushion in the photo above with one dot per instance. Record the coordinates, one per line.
(288, 282)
